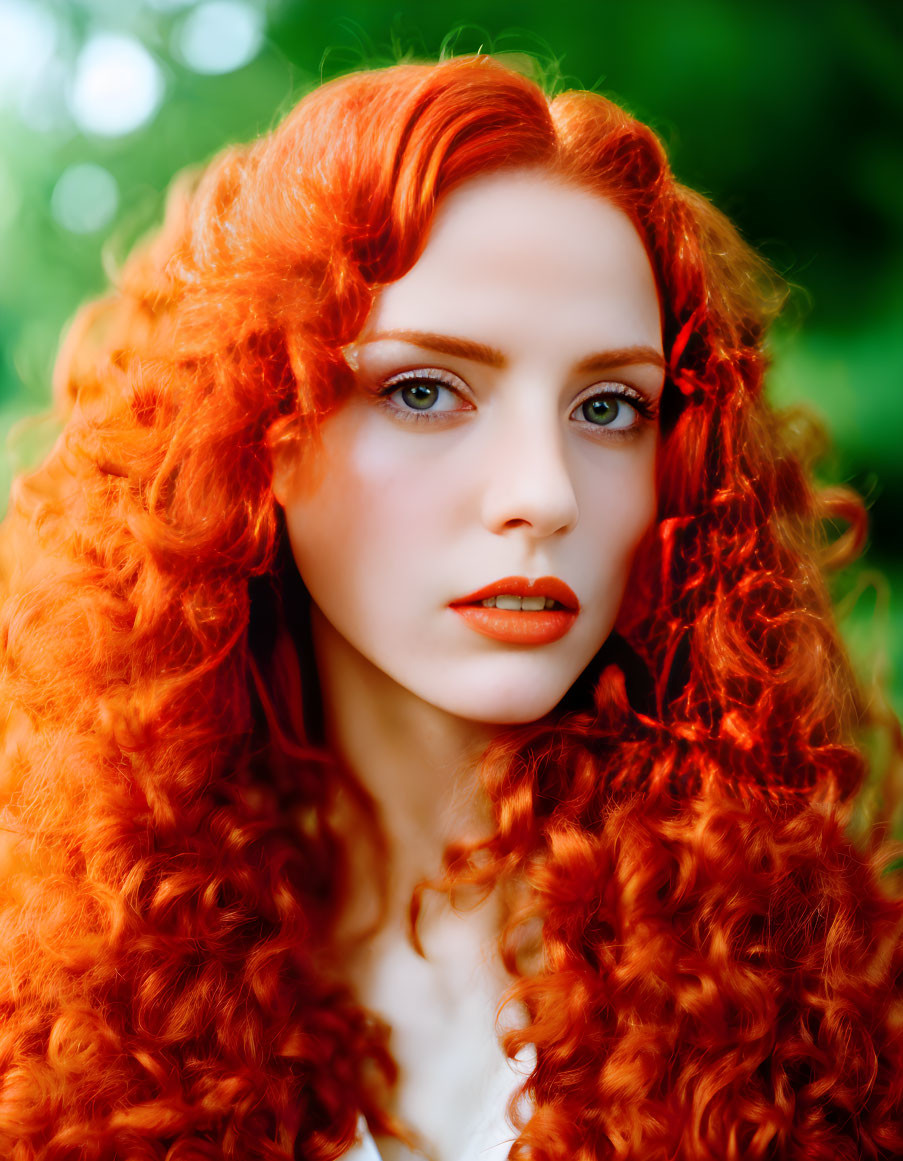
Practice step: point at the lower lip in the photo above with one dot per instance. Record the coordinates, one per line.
(518, 627)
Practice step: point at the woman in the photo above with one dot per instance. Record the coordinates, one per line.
(435, 349)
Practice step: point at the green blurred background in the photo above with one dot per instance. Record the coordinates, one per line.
(788, 115)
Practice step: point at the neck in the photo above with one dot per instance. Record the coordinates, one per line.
(417, 761)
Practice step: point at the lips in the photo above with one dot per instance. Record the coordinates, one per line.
(520, 626)
(519, 586)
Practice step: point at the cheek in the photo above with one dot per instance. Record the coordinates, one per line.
(642, 503)
(359, 536)
(617, 507)
(628, 539)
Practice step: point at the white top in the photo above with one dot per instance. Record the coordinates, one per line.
(366, 1149)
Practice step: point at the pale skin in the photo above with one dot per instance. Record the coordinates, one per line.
(503, 425)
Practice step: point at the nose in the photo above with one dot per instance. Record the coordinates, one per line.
(529, 484)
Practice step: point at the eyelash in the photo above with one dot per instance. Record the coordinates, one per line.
(645, 409)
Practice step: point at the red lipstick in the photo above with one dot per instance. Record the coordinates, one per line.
(519, 626)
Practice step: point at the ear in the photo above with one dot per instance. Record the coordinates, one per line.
(285, 464)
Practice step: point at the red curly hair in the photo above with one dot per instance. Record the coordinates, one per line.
(717, 973)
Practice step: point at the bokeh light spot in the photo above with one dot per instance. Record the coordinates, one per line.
(28, 36)
(220, 36)
(117, 86)
(85, 198)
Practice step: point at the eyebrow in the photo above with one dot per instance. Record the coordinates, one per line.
(481, 353)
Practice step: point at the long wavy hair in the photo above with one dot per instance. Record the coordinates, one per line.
(708, 968)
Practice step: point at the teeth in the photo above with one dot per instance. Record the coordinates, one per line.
(528, 604)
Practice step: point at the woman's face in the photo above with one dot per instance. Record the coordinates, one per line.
(502, 429)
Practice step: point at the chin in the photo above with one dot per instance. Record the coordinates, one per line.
(513, 691)
(506, 711)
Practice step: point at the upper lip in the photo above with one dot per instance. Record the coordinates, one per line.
(519, 586)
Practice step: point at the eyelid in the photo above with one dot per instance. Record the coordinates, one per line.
(613, 387)
(438, 375)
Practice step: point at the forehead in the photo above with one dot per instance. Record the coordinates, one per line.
(522, 245)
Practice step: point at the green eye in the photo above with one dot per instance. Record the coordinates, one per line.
(602, 410)
(420, 396)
